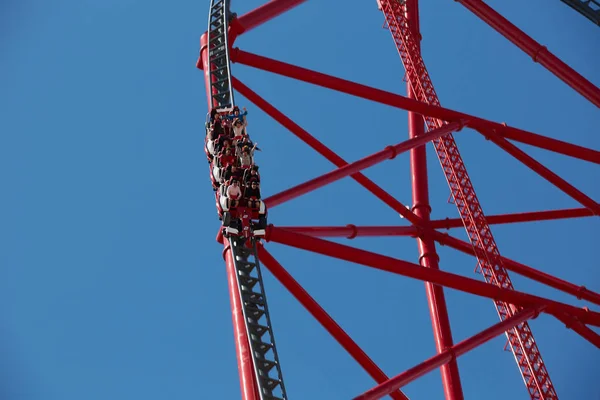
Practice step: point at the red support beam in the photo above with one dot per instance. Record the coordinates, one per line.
(390, 152)
(259, 16)
(449, 223)
(579, 328)
(324, 319)
(428, 257)
(323, 150)
(395, 100)
(581, 292)
(415, 271)
(544, 172)
(243, 351)
(536, 51)
(203, 65)
(448, 355)
(351, 231)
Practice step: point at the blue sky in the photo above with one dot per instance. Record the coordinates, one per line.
(112, 283)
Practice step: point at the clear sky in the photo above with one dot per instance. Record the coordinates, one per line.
(112, 283)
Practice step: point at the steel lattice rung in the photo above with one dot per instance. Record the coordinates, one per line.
(258, 323)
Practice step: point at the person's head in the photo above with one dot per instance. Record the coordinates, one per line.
(254, 185)
(217, 116)
(236, 110)
(234, 182)
(237, 122)
(227, 151)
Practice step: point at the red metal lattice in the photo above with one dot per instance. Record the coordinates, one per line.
(513, 307)
(521, 339)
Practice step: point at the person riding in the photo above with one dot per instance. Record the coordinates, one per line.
(227, 158)
(234, 193)
(252, 193)
(245, 158)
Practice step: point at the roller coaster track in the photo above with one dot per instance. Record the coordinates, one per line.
(265, 360)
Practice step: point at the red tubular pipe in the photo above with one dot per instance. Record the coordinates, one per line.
(579, 328)
(260, 15)
(395, 100)
(581, 292)
(428, 257)
(323, 150)
(450, 354)
(535, 50)
(243, 352)
(203, 65)
(324, 319)
(415, 271)
(351, 231)
(517, 217)
(389, 152)
(249, 390)
(544, 172)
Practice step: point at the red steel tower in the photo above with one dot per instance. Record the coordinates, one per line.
(260, 372)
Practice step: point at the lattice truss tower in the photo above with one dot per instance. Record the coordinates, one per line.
(259, 366)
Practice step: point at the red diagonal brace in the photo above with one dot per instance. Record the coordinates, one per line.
(517, 217)
(544, 172)
(581, 292)
(351, 231)
(581, 329)
(395, 100)
(324, 319)
(388, 153)
(259, 16)
(535, 50)
(324, 151)
(446, 356)
(415, 271)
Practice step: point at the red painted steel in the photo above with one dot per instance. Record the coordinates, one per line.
(323, 150)
(428, 257)
(581, 292)
(422, 101)
(397, 206)
(352, 231)
(536, 51)
(324, 319)
(522, 342)
(581, 329)
(248, 385)
(259, 16)
(395, 100)
(545, 173)
(449, 223)
(389, 153)
(448, 355)
(400, 267)
(203, 65)
(242, 347)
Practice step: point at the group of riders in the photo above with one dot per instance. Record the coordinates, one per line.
(234, 175)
